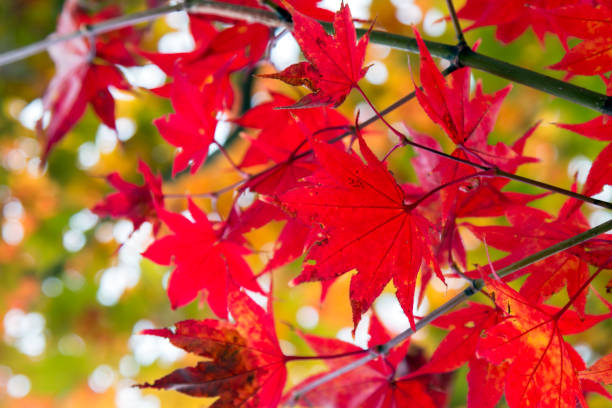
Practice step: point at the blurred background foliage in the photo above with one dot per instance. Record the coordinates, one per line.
(73, 289)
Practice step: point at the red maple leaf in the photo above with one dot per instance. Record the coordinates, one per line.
(364, 223)
(335, 63)
(78, 80)
(245, 366)
(513, 17)
(543, 368)
(206, 259)
(374, 384)
(600, 371)
(449, 104)
(138, 203)
(288, 151)
(192, 127)
(593, 23)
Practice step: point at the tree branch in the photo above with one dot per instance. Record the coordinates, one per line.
(581, 96)
(477, 286)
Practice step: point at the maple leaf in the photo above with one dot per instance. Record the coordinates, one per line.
(78, 80)
(450, 105)
(335, 63)
(138, 203)
(365, 223)
(287, 151)
(600, 371)
(542, 368)
(594, 25)
(206, 260)
(192, 128)
(246, 366)
(374, 384)
(513, 17)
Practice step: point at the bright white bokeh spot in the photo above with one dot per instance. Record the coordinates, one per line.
(408, 13)
(179, 20)
(246, 198)
(52, 286)
(71, 345)
(25, 331)
(126, 128)
(360, 9)
(13, 209)
(88, 155)
(129, 397)
(361, 334)
(31, 114)
(377, 74)
(434, 23)
(579, 166)
(605, 194)
(285, 52)
(18, 386)
(222, 131)
(598, 217)
(365, 111)
(33, 344)
(307, 317)
(390, 313)
(101, 379)
(260, 299)
(147, 349)
(12, 232)
(180, 41)
(83, 220)
(74, 240)
(586, 352)
(128, 366)
(122, 230)
(146, 76)
(106, 139)
(114, 281)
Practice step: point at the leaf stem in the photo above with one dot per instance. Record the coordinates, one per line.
(477, 286)
(326, 356)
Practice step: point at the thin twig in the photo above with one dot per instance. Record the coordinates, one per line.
(477, 286)
(455, 19)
